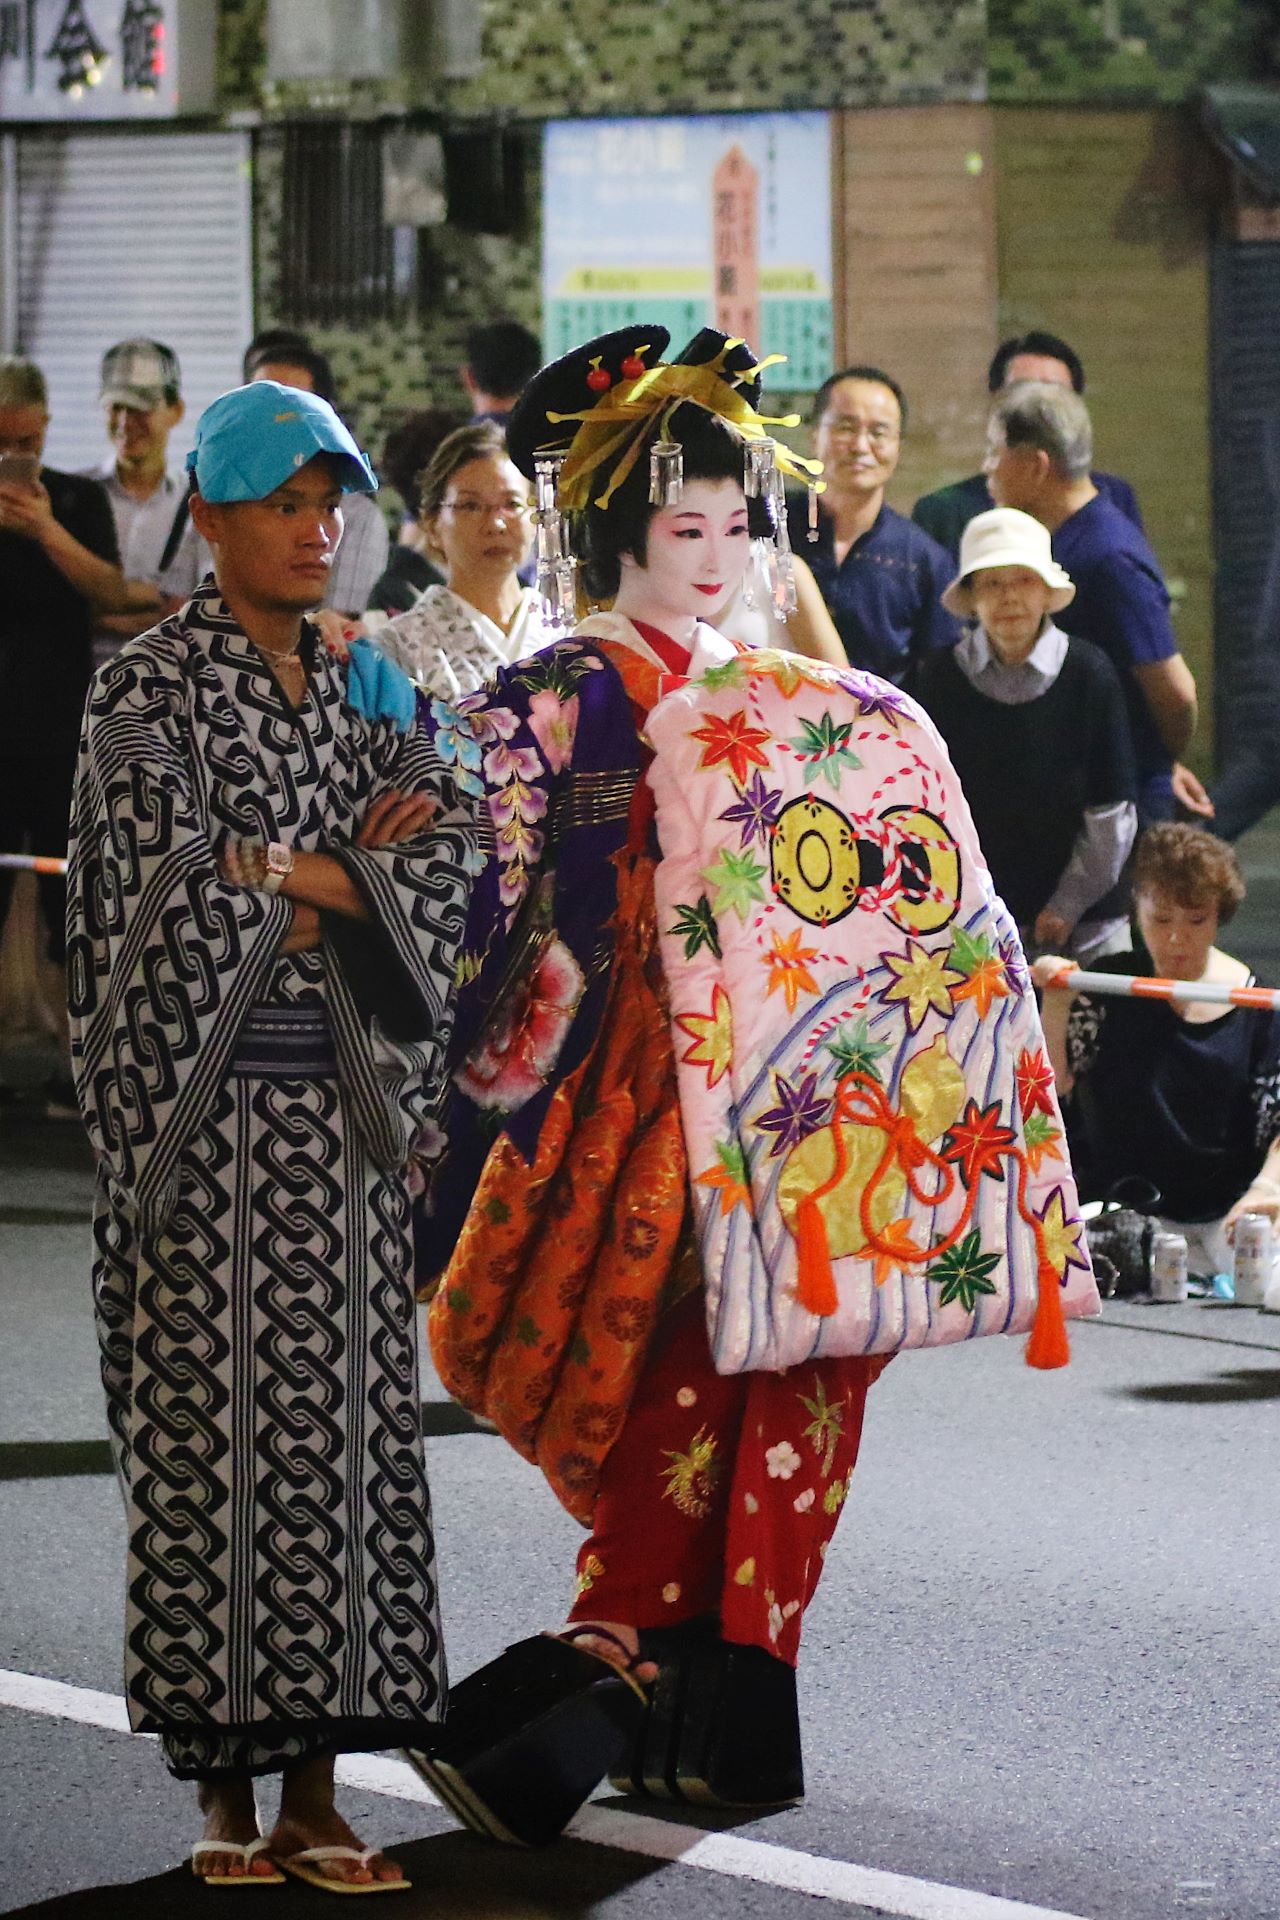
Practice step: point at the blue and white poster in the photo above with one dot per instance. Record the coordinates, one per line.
(718, 220)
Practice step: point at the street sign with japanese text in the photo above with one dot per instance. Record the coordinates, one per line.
(80, 60)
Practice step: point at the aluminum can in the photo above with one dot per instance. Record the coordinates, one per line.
(1169, 1268)
(1252, 1265)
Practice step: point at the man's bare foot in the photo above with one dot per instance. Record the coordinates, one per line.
(229, 1814)
(614, 1635)
(308, 1818)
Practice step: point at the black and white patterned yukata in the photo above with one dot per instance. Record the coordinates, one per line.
(252, 1113)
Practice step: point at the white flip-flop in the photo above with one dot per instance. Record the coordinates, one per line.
(306, 1865)
(247, 1853)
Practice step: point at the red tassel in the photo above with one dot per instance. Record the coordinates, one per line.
(1047, 1346)
(815, 1281)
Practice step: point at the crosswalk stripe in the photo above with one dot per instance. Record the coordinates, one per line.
(840, 1881)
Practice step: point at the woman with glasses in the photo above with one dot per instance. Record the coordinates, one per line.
(474, 513)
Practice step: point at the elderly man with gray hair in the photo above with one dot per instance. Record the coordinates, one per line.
(1039, 452)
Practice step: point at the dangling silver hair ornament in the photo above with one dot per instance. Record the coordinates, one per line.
(666, 473)
(546, 476)
(560, 594)
(552, 545)
(781, 562)
(757, 480)
(813, 516)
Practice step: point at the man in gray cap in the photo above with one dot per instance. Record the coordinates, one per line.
(267, 887)
(141, 398)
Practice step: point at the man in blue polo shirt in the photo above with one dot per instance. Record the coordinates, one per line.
(881, 576)
(1026, 356)
(1040, 443)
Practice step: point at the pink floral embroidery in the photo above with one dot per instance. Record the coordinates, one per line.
(503, 763)
(514, 1059)
(553, 723)
(487, 723)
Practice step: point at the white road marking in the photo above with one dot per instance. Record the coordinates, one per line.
(841, 1881)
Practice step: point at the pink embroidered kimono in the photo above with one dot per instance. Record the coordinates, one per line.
(876, 1152)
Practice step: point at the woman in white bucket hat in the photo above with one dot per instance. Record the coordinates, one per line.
(1036, 725)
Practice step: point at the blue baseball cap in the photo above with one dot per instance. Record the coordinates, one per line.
(250, 440)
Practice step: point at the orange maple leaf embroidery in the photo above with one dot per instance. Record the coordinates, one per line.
(895, 1249)
(729, 1178)
(1041, 1139)
(985, 984)
(733, 740)
(787, 968)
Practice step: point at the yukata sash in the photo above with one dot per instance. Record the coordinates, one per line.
(877, 1157)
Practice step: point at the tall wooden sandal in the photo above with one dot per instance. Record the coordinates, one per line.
(246, 1854)
(529, 1737)
(722, 1728)
(308, 1865)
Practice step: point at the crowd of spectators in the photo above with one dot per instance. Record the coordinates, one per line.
(1023, 605)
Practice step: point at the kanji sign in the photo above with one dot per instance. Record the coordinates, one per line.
(76, 60)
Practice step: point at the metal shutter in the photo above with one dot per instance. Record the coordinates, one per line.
(131, 233)
(1246, 491)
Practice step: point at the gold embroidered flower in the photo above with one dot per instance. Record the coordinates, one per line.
(692, 1476)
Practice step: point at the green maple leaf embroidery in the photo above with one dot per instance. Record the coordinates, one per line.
(1043, 1140)
(696, 926)
(580, 1351)
(826, 1425)
(459, 1300)
(732, 1157)
(823, 746)
(727, 675)
(963, 1272)
(854, 1051)
(969, 950)
(736, 878)
(497, 1212)
(528, 1332)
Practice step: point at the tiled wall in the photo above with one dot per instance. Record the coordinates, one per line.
(1123, 51)
(699, 56)
(242, 52)
(543, 58)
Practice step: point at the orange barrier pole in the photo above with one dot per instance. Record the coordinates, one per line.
(1137, 986)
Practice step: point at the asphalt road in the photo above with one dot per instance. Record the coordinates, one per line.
(1043, 1663)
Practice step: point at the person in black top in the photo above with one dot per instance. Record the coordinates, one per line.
(405, 458)
(60, 566)
(1185, 1097)
(502, 358)
(1035, 725)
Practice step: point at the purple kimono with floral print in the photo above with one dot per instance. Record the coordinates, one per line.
(551, 747)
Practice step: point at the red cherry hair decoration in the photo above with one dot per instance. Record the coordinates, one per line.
(599, 379)
(632, 367)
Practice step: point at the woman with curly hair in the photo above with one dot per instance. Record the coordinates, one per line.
(1185, 1096)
